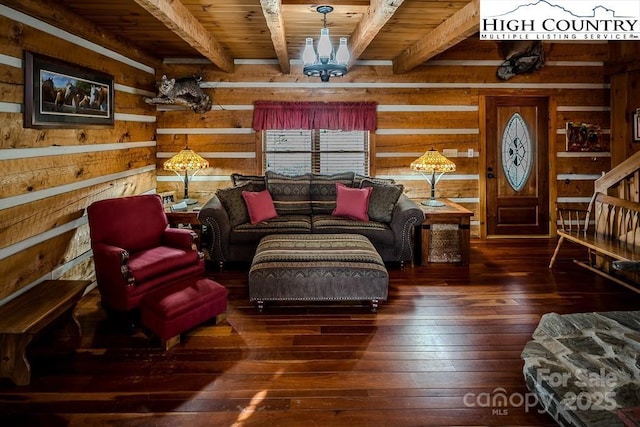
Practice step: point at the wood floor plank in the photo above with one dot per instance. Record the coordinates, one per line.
(446, 335)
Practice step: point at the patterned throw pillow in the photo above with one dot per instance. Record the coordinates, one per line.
(231, 199)
(323, 191)
(258, 181)
(290, 193)
(357, 180)
(383, 199)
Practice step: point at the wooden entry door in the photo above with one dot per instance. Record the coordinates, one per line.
(517, 174)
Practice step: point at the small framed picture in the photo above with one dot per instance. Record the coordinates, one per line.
(636, 125)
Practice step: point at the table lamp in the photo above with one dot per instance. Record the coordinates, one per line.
(432, 162)
(186, 160)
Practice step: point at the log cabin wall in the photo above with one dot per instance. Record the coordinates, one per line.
(49, 176)
(437, 105)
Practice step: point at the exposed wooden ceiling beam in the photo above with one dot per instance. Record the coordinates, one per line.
(459, 26)
(379, 12)
(272, 11)
(178, 19)
(52, 12)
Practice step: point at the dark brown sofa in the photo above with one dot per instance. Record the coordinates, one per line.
(304, 204)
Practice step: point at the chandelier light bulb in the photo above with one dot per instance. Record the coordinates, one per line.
(342, 55)
(309, 54)
(324, 46)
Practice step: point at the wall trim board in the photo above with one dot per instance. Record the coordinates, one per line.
(39, 238)
(573, 199)
(583, 108)
(10, 107)
(413, 176)
(583, 154)
(578, 176)
(11, 61)
(132, 90)
(201, 178)
(125, 117)
(58, 150)
(21, 199)
(203, 131)
(72, 38)
(426, 108)
(388, 63)
(411, 131)
(498, 62)
(390, 154)
(214, 155)
(402, 85)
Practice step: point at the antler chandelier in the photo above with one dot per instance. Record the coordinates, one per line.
(325, 63)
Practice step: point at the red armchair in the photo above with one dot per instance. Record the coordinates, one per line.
(134, 252)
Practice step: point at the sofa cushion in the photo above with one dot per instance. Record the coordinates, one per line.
(323, 190)
(258, 181)
(259, 205)
(376, 232)
(383, 199)
(233, 202)
(352, 202)
(252, 233)
(290, 193)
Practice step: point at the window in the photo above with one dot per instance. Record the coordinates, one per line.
(294, 152)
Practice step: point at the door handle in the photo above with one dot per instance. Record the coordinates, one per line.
(490, 172)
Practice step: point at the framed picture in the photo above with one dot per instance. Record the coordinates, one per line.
(59, 94)
(585, 137)
(636, 126)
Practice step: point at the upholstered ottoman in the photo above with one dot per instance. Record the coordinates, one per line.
(317, 267)
(180, 307)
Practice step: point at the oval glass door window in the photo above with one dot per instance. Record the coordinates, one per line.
(517, 155)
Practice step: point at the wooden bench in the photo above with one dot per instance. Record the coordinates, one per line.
(609, 229)
(25, 316)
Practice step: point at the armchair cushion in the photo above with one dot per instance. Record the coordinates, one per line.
(159, 260)
(179, 238)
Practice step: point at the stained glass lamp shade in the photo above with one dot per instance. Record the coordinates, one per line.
(430, 164)
(186, 160)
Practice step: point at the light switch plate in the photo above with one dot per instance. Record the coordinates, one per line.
(470, 152)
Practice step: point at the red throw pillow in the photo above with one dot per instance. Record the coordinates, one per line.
(352, 202)
(259, 205)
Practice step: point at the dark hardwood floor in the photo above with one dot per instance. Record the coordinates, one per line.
(447, 341)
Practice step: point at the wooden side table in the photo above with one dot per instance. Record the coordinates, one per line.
(444, 235)
(186, 217)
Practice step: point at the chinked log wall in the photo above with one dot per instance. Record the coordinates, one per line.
(50, 176)
(437, 105)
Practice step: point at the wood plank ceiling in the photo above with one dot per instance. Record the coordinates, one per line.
(407, 32)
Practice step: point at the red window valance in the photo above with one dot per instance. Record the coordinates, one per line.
(314, 115)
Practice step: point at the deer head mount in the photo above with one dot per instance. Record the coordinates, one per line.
(521, 57)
